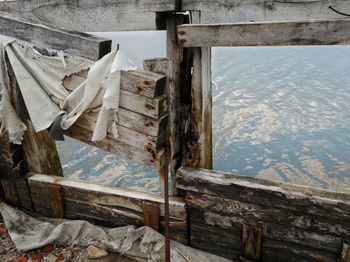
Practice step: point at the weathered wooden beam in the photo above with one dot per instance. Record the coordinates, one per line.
(179, 92)
(106, 205)
(152, 143)
(141, 91)
(313, 201)
(251, 243)
(160, 65)
(147, 157)
(40, 152)
(89, 15)
(86, 15)
(199, 134)
(280, 251)
(321, 32)
(232, 11)
(82, 44)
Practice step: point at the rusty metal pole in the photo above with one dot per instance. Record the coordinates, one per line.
(166, 205)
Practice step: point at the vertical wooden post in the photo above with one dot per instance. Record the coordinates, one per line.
(40, 151)
(198, 148)
(199, 134)
(179, 90)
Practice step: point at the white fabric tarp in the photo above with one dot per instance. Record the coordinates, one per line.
(141, 244)
(40, 79)
(9, 121)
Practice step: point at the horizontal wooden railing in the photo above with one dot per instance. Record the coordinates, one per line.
(135, 15)
(260, 219)
(105, 205)
(325, 32)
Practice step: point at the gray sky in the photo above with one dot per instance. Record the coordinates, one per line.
(138, 45)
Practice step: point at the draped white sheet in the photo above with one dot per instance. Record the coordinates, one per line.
(40, 79)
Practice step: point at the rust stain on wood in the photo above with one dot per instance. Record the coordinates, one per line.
(56, 200)
(151, 214)
(251, 242)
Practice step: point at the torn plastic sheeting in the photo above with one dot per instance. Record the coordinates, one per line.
(40, 80)
(141, 244)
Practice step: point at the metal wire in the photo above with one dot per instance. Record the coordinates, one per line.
(336, 11)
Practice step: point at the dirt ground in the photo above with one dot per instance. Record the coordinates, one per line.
(48, 253)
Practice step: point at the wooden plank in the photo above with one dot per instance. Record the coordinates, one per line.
(86, 15)
(89, 15)
(153, 107)
(127, 136)
(163, 5)
(232, 11)
(262, 215)
(106, 205)
(274, 231)
(146, 157)
(251, 243)
(303, 199)
(199, 143)
(276, 251)
(108, 195)
(160, 65)
(179, 92)
(82, 44)
(40, 152)
(142, 82)
(6, 161)
(323, 32)
(151, 215)
(9, 189)
(345, 255)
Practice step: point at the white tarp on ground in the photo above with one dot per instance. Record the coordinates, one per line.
(40, 80)
(141, 244)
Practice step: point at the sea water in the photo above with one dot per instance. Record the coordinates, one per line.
(279, 113)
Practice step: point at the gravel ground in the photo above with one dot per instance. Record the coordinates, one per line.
(48, 253)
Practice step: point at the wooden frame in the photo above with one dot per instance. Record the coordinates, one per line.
(221, 213)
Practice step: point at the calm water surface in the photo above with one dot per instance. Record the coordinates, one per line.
(280, 113)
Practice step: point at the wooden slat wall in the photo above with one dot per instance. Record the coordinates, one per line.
(104, 205)
(78, 43)
(142, 118)
(298, 223)
(325, 32)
